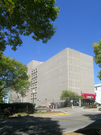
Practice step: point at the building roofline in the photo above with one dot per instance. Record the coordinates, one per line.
(97, 85)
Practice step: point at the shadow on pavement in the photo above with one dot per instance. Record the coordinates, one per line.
(93, 128)
(29, 125)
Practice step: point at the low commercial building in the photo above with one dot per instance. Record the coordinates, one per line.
(67, 70)
(97, 89)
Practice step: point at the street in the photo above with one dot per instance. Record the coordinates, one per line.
(78, 119)
(54, 125)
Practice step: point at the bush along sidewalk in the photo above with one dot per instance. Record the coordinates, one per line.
(90, 106)
(7, 110)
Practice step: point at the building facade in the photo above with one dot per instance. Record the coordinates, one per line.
(67, 70)
(97, 89)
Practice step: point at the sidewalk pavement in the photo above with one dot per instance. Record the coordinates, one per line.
(91, 109)
(63, 111)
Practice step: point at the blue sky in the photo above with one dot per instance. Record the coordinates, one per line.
(78, 27)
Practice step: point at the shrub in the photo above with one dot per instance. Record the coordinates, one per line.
(90, 106)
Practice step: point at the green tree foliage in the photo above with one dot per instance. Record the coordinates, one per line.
(25, 17)
(13, 75)
(68, 95)
(3, 95)
(97, 57)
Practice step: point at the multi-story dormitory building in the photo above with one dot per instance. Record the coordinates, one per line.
(67, 70)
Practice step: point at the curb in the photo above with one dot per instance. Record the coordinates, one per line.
(50, 115)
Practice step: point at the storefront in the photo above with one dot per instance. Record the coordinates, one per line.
(89, 99)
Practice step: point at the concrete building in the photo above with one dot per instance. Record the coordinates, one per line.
(97, 89)
(67, 70)
(14, 97)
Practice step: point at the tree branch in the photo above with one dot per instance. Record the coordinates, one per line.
(2, 88)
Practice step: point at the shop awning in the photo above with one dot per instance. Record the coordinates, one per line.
(88, 95)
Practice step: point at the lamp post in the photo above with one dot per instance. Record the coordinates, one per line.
(33, 95)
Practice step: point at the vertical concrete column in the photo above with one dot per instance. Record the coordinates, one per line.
(79, 102)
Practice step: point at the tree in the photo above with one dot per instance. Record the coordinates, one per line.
(97, 57)
(26, 17)
(68, 95)
(3, 95)
(13, 75)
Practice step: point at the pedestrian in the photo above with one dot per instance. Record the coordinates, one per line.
(49, 107)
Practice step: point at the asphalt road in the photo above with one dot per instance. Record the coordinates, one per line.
(54, 125)
(79, 119)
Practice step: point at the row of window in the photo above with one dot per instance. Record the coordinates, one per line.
(33, 91)
(34, 79)
(34, 70)
(33, 95)
(34, 98)
(34, 84)
(34, 75)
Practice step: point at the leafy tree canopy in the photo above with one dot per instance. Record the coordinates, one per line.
(68, 95)
(97, 57)
(3, 95)
(13, 75)
(25, 17)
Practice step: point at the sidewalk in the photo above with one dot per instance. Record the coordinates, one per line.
(61, 112)
(66, 109)
(91, 109)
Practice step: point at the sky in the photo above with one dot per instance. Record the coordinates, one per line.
(78, 27)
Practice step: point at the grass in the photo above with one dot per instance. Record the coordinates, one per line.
(47, 112)
(39, 112)
(20, 113)
(42, 107)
